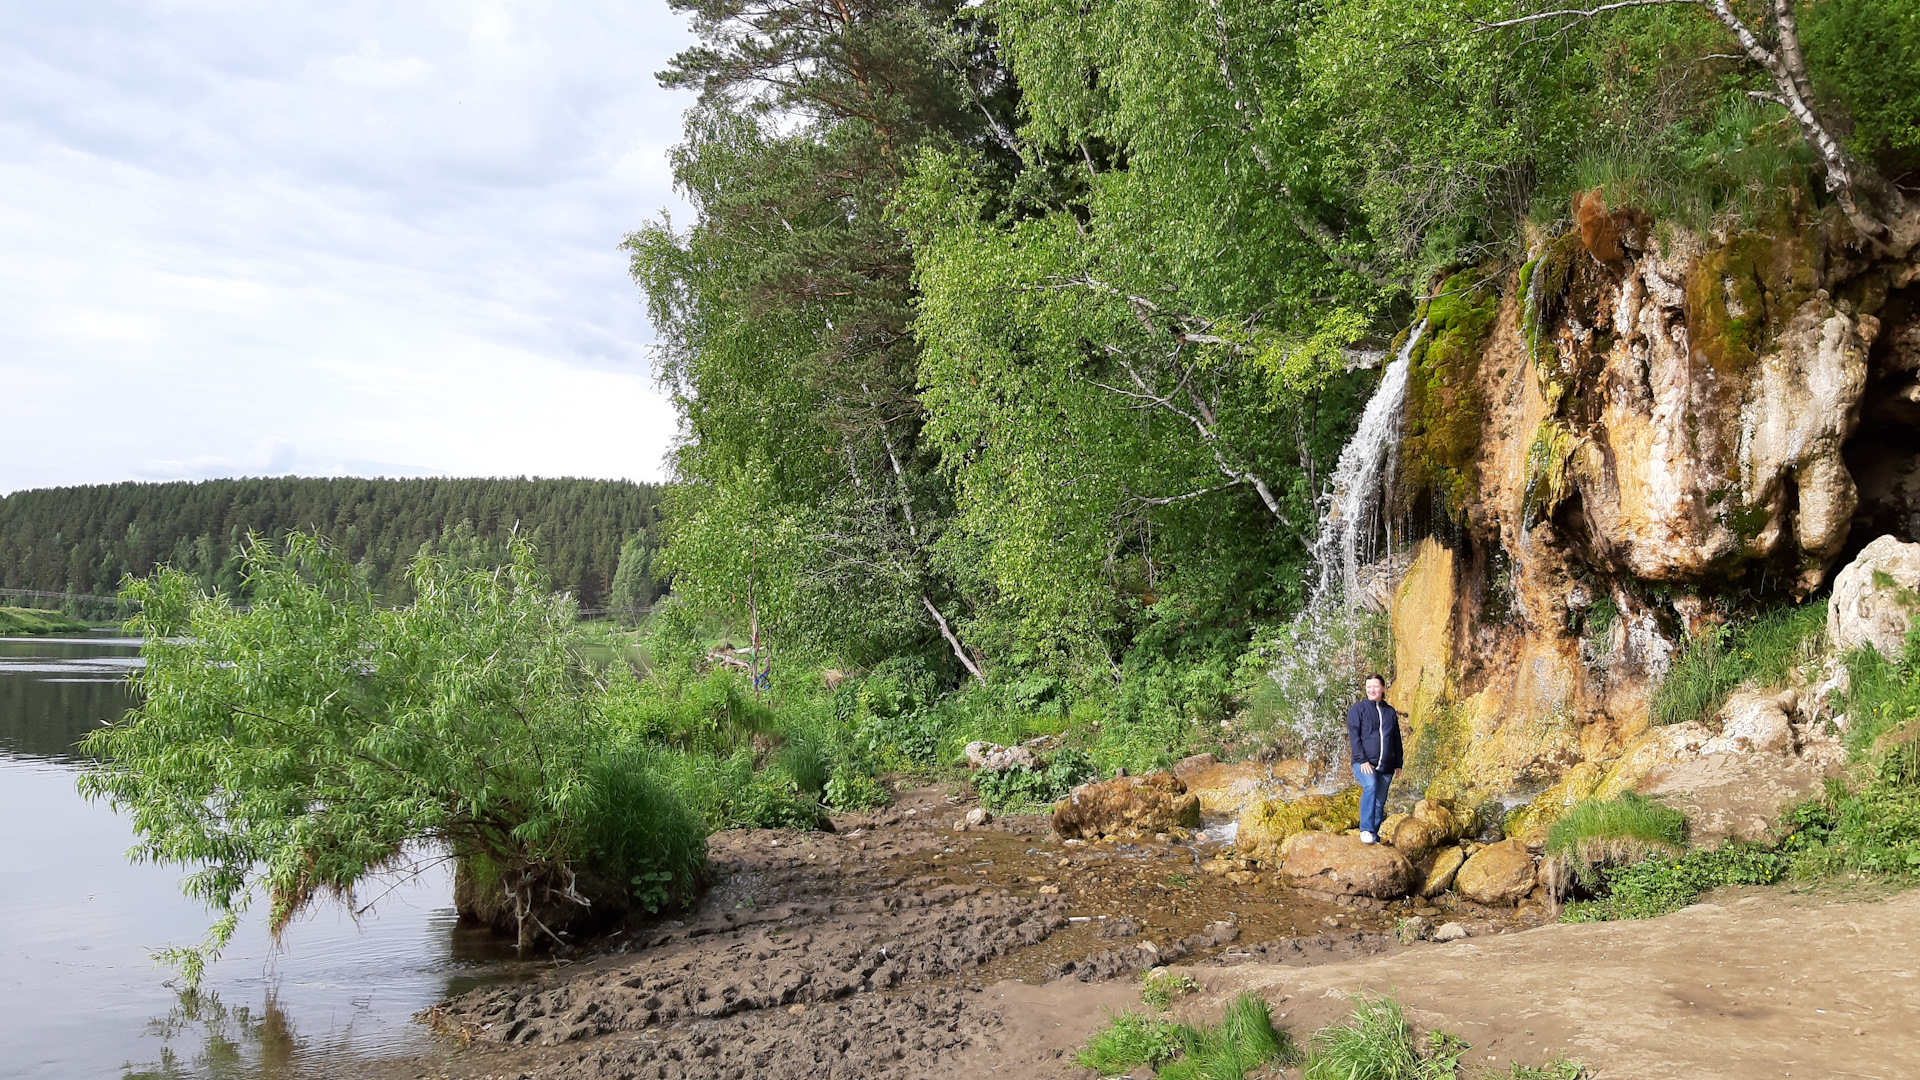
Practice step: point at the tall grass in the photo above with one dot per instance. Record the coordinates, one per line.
(1596, 833)
(1757, 652)
(1377, 1043)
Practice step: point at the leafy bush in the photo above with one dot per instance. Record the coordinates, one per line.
(1020, 786)
(1596, 833)
(850, 788)
(1660, 884)
(1759, 651)
(1130, 1040)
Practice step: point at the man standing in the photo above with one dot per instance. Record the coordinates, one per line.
(1373, 734)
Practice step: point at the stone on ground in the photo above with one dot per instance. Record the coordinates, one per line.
(1874, 598)
(1342, 865)
(1266, 823)
(1452, 931)
(1499, 873)
(1439, 876)
(1127, 806)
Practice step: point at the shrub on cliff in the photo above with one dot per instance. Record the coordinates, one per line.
(307, 742)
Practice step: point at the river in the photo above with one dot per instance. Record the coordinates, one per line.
(80, 995)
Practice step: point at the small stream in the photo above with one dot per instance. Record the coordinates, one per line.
(80, 995)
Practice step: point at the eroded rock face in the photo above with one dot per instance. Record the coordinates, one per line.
(1755, 722)
(1155, 803)
(1500, 874)
(1342, 865)
(1875, 597)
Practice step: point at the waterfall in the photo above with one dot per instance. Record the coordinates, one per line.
(1350, 520)
(1319, 658)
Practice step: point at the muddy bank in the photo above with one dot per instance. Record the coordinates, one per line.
(898, 945)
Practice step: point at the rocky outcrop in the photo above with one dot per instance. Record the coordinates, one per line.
(1341, 865)
(1267, 823)
(1127, 806)
(1875, 597)
(1501, 873)
(992, 757)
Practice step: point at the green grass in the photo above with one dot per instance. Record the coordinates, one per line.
(1377, 1043)
(1758, 651)
(1244, 1039)
(1161, 986)
(28, 622)
(1660, 885)
(1598, 833)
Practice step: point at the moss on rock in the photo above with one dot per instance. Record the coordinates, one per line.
(1444, 411)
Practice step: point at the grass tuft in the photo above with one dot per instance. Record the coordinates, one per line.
(1244, 1039)
(1598, 833)
(1751, 652)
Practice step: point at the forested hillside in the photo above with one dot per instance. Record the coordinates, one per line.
(85, 539)
(1018, 340)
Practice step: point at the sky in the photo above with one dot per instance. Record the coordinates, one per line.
(264, 238)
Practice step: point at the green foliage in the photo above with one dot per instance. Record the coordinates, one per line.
(852, 789)
(1596, 833)
(34, 622)
(1161, 986)
(1758, 651)
(1130, 1040)
(1377, 1043)
(1661, 884)
(1865, 55)
(1023, 787)
(1243, 1040)
(302, 744)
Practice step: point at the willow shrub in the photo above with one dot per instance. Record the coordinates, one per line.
(304, 743)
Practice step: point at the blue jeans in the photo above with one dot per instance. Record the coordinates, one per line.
(1373, 798)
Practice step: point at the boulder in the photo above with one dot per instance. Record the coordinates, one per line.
(1226, 789)
(1266, 823)
(1452, 931)
(1342, 865)
(1447, 824)
(992, 757)
(1499, 873)
(1414, 837)
(1874, 598)
(1189, 767)
(1754, 722)
(1439, 877)
(1127, 806)
(978, 816)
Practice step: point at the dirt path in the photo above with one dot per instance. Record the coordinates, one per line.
(1763, 983)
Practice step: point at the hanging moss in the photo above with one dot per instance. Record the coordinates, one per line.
(1444, 411)
(1549, 477)
(1745, 290)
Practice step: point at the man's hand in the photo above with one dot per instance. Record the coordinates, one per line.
(1367, 767)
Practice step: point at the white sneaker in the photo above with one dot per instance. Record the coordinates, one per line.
(1366, 838)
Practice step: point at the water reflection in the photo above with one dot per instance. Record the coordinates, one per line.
(79, 993)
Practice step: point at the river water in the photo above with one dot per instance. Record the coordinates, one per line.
(80, 996)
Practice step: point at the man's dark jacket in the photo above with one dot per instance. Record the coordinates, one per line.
(1367, 722)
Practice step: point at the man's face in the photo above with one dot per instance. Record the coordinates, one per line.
(1375, 690)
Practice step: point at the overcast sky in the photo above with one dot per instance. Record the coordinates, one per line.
(248, 238)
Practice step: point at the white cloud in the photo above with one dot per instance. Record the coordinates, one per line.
(247, 238)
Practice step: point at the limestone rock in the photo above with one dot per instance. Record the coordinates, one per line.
(1499, 873)
(1267, 823)
(1411, 929)
(995, 758)
(1875, 597)
(1189, 767)
(1226, 789)
(978, 816)
(1452, 931)
(1755, 722)
(1445, 823)
(1341, 864)
(1414, 837)
(1439, 877)
(1157, 802)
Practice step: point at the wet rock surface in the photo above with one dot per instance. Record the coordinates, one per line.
(1128, 805)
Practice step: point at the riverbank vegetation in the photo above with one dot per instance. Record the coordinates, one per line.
(26, 622)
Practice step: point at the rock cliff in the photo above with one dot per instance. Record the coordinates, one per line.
(1641, 431)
